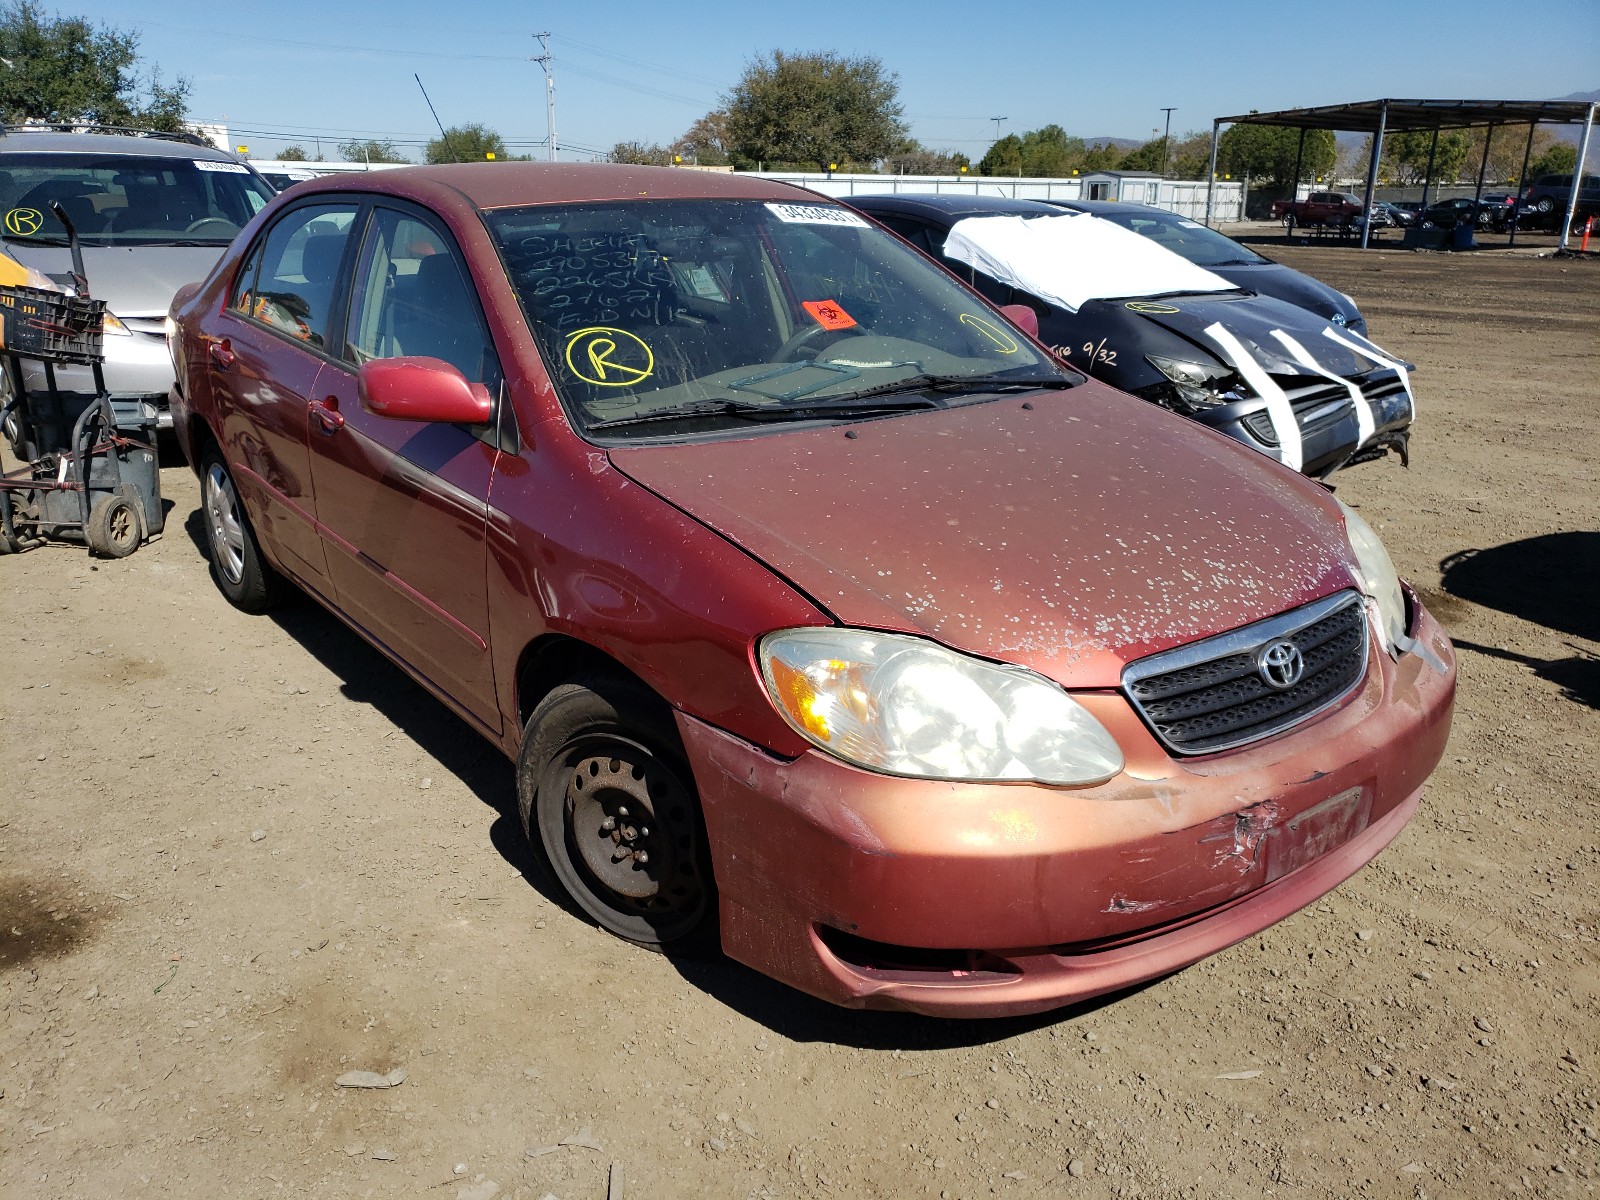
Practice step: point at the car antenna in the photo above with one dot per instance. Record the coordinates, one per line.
(445, 137)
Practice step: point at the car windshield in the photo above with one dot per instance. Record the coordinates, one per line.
(664, 318)
(127, 199)
(1188, 239)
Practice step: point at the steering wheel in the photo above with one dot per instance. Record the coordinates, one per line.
(806, 337)
(228, 226)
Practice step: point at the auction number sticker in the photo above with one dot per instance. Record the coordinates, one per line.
(227, 168)
(24, 222)
(607, 357)
(816, 214)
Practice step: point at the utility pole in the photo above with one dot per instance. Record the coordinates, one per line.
(544, 60)
(1166, 140)
(997, 121)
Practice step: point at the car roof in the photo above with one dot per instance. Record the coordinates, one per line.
(951, 207)
(1101, 208)
(490, 185)
(16, 139)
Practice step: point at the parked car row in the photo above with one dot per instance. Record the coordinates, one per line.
(830, 615)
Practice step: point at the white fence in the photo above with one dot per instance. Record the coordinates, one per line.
(1184, 196)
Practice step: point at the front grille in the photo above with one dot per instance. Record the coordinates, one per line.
(1213, 695)
(1315, 408)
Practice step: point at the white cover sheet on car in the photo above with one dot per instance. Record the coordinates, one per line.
(1073, 258)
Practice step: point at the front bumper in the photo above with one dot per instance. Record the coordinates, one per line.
(137, 368)
(993, 900)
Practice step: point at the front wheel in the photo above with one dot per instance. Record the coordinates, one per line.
(606, 793)
(115, 528)
(244, 578)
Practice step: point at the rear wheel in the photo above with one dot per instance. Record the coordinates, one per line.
(241, 574)
(606, 793)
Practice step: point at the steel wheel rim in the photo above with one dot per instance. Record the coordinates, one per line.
(631, 830)
(224, 523)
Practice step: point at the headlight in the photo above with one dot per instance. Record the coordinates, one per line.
(1201, 385)
(169, 327)
(113, 325)
(906, 706)
(1378, 578)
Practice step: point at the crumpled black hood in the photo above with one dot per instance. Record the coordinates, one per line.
(1252, 319)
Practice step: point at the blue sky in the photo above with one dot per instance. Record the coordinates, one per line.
(632, 70)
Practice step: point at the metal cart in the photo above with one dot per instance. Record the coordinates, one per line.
(88, 464)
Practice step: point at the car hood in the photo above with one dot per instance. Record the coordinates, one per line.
(1254, 321)
(134, 281)
(1290, 286)
(1071, 536)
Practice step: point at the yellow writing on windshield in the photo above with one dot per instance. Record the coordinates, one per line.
(608, 357)
(1003, 341)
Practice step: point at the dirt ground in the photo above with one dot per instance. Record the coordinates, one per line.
(240, 857)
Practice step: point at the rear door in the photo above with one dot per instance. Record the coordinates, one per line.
(263, 355)
(402, 505)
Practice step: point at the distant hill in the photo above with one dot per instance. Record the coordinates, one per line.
(1119, 142)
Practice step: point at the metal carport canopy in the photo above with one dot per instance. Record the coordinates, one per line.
(1379, 116)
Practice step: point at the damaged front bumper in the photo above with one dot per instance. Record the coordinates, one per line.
(988, 900)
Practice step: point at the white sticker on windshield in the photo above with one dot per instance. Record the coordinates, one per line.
(228, 168)
(816, 214)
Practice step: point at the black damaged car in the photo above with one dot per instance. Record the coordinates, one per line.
(1285, 381)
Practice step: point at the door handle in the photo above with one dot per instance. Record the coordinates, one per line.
(327, 414)
(222, 353)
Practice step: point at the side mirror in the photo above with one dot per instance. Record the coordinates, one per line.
(422, 389)
(1023, 317)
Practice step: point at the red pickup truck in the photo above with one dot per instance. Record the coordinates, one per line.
(1339, 209)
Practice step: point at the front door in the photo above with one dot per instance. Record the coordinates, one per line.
(263, 355)
(403, 504)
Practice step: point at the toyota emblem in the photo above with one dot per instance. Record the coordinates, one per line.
(1280, 664)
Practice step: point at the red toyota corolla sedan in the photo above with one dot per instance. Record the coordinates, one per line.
(826, 617)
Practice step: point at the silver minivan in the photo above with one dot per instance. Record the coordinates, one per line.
(153, 211)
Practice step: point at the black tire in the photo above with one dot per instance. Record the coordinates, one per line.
(115, 528)
(607, 797)
(245, 579)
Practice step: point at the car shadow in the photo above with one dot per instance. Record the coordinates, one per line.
(1548, 580)
(367, 677)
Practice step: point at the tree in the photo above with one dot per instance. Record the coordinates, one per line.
(64, 69)
(292, 154)
(1405, 155)
(1559, 159)
(1103, 156)
(1190, 156)
(640, 154)
(706, 141)
(1149, 156)
(466, 143)
(369, 152)
(1003, 158)
(1267, 153)
(1050, 153)
(916, 159)
(815, 109)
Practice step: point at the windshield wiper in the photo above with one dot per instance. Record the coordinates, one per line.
(34, 239)
(964, 383)
(716, 408)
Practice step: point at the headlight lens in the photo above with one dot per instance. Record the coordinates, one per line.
(1201, 385)
(112, 324)
(906, 706)
(1378, 577)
